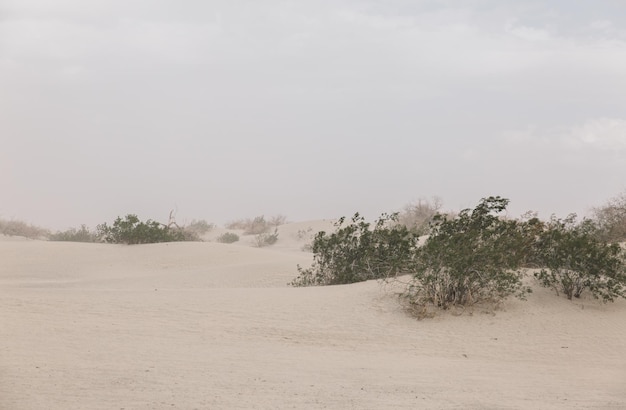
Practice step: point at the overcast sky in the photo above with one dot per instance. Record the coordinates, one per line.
(311, 109)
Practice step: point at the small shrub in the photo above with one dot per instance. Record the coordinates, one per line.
(266, 239)
(83, 234)
(474, 257)
(256, 226)
(239, 224)
(574, 260)
(199, 227)
(228, 237)
(355, 252)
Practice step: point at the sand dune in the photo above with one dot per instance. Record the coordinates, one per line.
(214, 326)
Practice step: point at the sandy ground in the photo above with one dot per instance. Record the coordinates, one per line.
(214, 326)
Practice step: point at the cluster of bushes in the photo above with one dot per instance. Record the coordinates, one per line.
(131, 230)
(473, 257)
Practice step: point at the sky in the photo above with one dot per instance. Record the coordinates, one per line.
(223, 110)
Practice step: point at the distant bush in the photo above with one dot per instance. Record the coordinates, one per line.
(277, 220)
(199, 227)
(21, 228)
(257, 225)
(417, 216)
(266, 239)
(574, 260)
(474, 257)
(611, 219)
(355, 252)
(83, 234)
(131, 230)
(228, 237)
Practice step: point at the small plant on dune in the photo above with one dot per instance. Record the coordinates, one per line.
(228, 237)
(131, 231)
(21, 228)
(472, 258)
(356, 252)
(574, 260)
(266, 239)
(83, 234)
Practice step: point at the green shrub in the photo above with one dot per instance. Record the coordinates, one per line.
(228, 237)
(474, 257)
(574, 260)
(75, 235)
(266, 239)
(131, 230)
(355, 252)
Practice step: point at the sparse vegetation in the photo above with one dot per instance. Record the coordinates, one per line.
(277, 220)
(199, 227)
(355, 252)
(611, 219)
(574, 260)
(228, 237)
(417, 216)
(82, 234)
(20, 228)
(257, 225)
(266, 239)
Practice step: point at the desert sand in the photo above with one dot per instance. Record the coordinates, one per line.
(215, 326)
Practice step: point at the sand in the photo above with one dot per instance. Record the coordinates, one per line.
(215, 326)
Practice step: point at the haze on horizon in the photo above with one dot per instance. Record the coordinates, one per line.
(311, 109)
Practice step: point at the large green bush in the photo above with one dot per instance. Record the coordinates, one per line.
(474, 257)
(574, 260)
(131, 230)
(357, 252)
